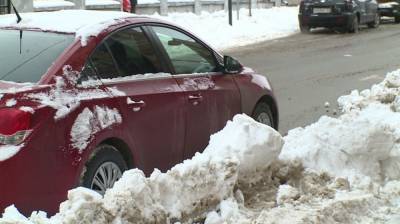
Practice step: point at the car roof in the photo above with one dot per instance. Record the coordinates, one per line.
(83, 23)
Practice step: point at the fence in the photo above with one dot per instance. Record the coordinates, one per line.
(5, 6)
(162, 7)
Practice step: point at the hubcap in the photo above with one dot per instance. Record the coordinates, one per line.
(105, 177)
(264, 119)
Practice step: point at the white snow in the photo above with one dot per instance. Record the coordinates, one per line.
(8, 151)
(39, 4)
(65, 100)
(11, 102)
(265, 24)
(89, 122)
(388, 5)
(102, 2)
(83, 23)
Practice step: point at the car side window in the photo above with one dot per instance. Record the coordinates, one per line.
(133, 52)
(186, 54)
(101, 62)
(127, 52)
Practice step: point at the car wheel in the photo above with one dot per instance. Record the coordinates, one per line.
(397, 19)
(103, 169)
(354, 26)
(305, 29)
(262, 113)
(376, 21)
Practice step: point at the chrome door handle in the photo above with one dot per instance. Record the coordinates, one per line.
(136, 105)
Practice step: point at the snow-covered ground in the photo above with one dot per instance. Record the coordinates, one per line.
(264, 24)
(337, 170)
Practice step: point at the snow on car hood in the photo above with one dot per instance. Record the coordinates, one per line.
(388, 5)
(82, 23)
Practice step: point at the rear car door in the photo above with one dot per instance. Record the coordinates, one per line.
(211, 97)
(153, 106)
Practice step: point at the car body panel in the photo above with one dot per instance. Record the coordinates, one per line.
(48, 165)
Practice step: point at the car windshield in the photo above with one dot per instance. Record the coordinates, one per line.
(29, 62)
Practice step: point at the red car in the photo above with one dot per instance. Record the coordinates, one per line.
(80, 103)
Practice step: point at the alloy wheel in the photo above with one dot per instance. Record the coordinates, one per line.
(105, 177)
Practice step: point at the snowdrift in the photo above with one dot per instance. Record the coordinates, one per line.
(337, 170)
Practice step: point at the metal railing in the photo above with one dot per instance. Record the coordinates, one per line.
(5, 7)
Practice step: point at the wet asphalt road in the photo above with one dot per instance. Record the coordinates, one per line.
(307, 70)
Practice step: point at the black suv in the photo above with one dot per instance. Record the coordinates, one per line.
(348, 14)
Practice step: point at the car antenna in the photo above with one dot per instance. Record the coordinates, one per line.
(19, 19)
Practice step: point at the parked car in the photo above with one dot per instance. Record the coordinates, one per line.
(81, 103)
(390, 8)
(347, 14)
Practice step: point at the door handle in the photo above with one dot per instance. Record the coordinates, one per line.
(195, 98)
(136, 105)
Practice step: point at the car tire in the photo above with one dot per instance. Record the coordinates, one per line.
(103, 169)
(354, 26)
(262, 114)
(397, 19)
(376, 22)
(305, 29)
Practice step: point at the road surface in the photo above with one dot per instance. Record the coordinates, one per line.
(307, 70)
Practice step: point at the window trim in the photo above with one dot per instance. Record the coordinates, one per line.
(148, 35)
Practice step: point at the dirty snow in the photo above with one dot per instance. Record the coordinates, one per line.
(337, 170)
(89, 122)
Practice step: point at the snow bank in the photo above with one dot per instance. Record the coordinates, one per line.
(364, 141)
(238, 153)
(265, 24)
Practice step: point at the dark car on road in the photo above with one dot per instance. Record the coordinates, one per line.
(390, 8)
(345, 14)
(80, 103)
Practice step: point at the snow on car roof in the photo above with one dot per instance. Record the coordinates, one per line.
(82, 23)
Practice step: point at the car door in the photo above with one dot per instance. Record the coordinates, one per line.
(153, 105)
(211, 97)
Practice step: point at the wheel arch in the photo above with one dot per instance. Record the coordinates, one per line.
(122, 148)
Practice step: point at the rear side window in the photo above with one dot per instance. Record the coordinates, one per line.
(125, 53)
(186, 54)
(28, 59)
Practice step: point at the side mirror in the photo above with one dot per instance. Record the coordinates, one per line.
(232, 65)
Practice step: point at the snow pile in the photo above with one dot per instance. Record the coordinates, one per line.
(88, 123)
(337, 170)
(363, 142)
(239, 153)
(265, 24)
